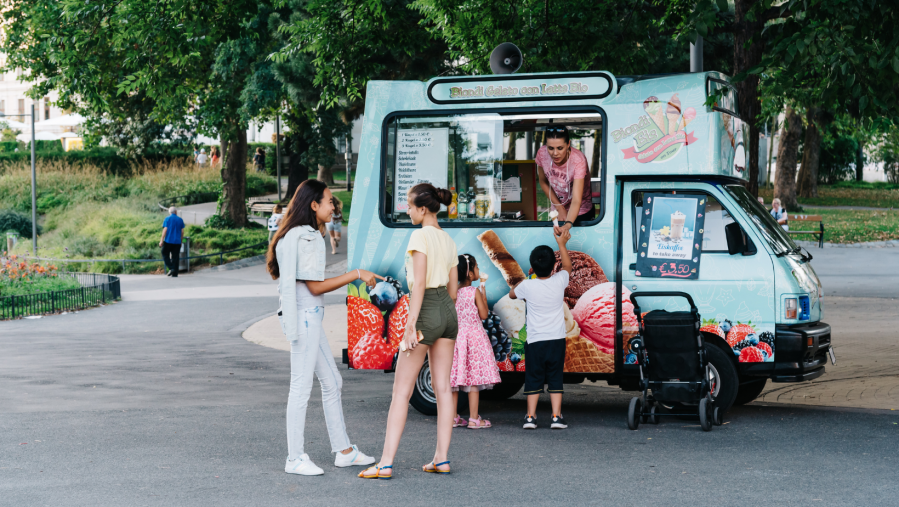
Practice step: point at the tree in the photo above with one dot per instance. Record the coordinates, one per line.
(785, 180)
(172, 63)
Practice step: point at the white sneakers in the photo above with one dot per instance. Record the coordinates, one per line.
(356, 457)
(304, 466)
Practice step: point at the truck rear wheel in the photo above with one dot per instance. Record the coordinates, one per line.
(423, 398)
(749, 391)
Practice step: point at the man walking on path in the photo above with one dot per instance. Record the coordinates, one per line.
(172, 228)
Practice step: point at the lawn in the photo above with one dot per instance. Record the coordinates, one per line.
(88, 213)
(854, 226)
(871, 195)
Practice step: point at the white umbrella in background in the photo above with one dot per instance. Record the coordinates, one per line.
(68, 120)
(38, 136)
(66, 134)
(16, 125)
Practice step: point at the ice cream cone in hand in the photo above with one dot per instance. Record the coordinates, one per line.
(673, 113)
(656, 110)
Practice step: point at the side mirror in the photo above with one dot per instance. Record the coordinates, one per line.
(736, 240)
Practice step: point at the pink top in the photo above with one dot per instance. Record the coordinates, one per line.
(561, 178)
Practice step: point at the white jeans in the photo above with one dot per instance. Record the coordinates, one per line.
(312, 354)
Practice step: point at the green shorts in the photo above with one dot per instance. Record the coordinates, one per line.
(437, 318)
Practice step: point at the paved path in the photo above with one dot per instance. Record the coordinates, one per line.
(160, 401)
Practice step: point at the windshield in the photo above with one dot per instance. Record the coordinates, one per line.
(766, 225)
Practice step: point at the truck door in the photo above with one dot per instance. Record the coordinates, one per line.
(734, 293)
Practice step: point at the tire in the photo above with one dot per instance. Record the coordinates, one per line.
(705, 421)
(510, 385)
(725, 381)
(633, 413)
(423, 398)
(654, 417)
(718, 416)
(750, 391)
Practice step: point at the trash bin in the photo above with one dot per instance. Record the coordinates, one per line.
(11, 239)
(184, 261)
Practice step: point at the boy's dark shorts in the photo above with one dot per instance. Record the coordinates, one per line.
(544, 363)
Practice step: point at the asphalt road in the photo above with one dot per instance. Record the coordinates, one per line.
(157, 400)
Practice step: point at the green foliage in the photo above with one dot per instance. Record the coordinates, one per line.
(887, 151)
(45, 146)
(11, 146)
(12, 220)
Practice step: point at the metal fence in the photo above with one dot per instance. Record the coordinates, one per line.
(96, 289)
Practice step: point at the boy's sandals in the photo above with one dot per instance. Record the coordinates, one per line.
(434, 469)
(459, 422)
(365, 474)
(479, 423)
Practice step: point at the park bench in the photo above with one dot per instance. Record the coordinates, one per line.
(260, 206)
(804, 222)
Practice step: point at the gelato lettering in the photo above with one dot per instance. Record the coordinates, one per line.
(575, 88)
(661, 133)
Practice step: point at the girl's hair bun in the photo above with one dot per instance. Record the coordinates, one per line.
(444, 196)
(430, 197)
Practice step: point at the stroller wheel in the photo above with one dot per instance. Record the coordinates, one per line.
(705, 415)
(634, 413)
(718, 416)
(654, 415)
(645, 412)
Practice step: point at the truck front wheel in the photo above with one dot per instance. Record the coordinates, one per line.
(723, 376)
(750, 390)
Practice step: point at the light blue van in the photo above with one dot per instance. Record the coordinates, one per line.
(666, 174)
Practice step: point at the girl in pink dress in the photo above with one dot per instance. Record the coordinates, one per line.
(474, 364)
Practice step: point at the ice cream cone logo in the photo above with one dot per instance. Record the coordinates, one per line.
(661, 133)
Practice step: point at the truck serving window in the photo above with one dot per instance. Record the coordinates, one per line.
(487, 158)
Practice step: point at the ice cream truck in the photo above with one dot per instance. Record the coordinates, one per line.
(666, 169)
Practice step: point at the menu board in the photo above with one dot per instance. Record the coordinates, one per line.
(421, 157)
(671, 232)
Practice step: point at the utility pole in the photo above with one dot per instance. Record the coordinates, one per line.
(349, 162)
(33, 188)
(696, 55)
(278, 151)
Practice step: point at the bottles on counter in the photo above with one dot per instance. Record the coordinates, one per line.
(482, 203)
(472, 196)
(462, 203)
(453, 209)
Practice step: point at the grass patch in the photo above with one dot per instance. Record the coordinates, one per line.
(89, 213)
(854, 226)
(871, 195)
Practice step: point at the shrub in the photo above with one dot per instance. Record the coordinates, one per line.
(11, 220)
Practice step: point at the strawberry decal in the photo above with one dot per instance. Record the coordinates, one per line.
(373, 353)
(711, 326)
(363, 318)
(396, 323)
(738, 333)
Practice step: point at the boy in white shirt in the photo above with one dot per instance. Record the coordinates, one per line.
(545, 347)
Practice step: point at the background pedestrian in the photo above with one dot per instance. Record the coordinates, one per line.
(335, 226)
(274, 221)
(172, 229)
(259, 160)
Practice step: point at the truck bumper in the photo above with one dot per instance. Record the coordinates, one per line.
(801, 351)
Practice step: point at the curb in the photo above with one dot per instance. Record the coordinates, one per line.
(871, 244)
(242, 263)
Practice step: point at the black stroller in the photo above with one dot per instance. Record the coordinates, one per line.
(672, 361)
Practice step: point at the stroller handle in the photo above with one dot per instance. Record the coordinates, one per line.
(635, 295)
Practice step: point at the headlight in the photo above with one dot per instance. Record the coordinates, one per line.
(797, 308)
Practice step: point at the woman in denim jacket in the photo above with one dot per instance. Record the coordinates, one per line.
(296, 256)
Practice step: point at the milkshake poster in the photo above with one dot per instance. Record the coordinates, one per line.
(671, 235)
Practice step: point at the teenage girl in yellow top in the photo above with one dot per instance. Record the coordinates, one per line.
(431, 274)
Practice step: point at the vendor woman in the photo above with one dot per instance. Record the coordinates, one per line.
(565, 178)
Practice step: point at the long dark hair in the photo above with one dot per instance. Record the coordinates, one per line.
(299, 213)
(470, 263)
(430, 197)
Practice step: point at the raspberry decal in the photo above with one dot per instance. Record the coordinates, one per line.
(766, 349)
(751, 355)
